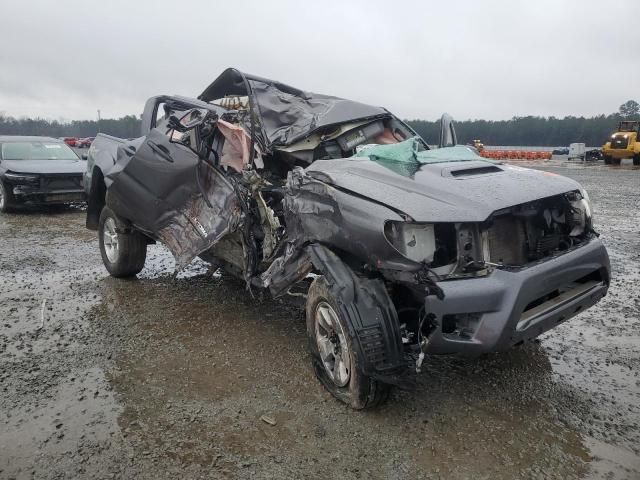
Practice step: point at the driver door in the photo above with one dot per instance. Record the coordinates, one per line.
(166, 191)
(149, 182)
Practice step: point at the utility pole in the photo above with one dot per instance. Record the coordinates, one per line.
(98, 120)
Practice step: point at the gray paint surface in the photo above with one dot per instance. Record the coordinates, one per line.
(433, 195)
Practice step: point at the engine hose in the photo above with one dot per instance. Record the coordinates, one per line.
(249, 241)
(422, 276)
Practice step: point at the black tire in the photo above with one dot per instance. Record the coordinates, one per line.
(130, 253)
(360, 391)
(607, 160)
(636, 159)
(6, 198)
(616, 161)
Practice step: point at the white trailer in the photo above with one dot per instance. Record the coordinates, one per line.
(577, 150)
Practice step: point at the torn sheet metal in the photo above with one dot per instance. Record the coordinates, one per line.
(170, 204)
(270, 226)
(286, 270)
(197, 226)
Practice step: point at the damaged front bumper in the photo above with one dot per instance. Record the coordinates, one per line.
(43, 189)
(48, 197)
(493, 313)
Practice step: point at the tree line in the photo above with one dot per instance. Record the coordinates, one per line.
(534, 131)
(124, 127)
(530, 130)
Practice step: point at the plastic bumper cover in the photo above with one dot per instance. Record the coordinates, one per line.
(511, 306)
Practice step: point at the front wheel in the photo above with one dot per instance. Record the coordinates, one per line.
(123, 250)
(636, 159)
(607, 159)
(332, 348)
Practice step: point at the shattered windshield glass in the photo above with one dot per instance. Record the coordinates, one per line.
(406, 158)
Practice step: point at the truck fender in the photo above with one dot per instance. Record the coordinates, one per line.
(371, 317)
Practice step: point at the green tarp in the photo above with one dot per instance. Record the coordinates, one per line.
(405, 158)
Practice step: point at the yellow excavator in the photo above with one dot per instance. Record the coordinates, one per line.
(624, 143)
(478, 145)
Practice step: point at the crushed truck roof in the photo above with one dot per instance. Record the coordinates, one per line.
(283, 115)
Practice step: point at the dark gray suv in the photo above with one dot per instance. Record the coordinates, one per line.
(38, 170)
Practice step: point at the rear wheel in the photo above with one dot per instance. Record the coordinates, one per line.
(332, 348)
(123, 250)
(636, 159)
(6, 198)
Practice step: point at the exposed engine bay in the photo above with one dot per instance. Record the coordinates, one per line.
(539, 229)
(510, 238)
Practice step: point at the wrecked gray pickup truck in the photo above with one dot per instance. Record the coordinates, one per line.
(400, 250)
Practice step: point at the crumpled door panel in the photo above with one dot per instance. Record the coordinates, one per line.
(147, 185)
(156, 188)
(196, 227)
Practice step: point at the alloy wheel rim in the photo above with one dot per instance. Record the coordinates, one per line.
(110, 240)
(332, 344)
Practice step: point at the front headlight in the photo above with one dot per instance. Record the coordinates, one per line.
(21, 178)
(582, 214)
(416, 241)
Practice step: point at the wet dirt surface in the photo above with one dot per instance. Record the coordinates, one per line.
(163, 377)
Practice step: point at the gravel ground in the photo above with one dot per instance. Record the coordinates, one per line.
(168, 377)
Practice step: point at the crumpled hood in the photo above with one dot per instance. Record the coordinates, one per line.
(45, 166)
(443, 192)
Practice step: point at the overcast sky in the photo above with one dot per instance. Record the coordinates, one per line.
(473, 59)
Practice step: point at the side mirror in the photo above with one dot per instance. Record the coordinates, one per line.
(188, 129)
(448, 136)
(174, 124)
(84, 156)
(192, 118)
